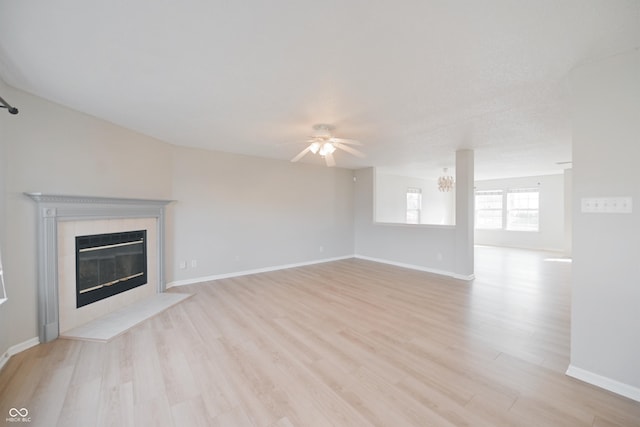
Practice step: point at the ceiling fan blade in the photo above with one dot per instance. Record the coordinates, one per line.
(331, 162)
(349, 150)
(301, 154)
(346, 141)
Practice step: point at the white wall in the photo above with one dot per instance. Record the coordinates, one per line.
(551, 235)
(231, 213)
(391, 200)
(605, 322)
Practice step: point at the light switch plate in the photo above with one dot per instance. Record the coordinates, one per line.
(606, 204)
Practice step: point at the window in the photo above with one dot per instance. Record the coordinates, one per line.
(523, 209)
(513, 209)
(414, 205)
(489, 209)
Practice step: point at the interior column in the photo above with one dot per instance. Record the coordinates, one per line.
(464, 214)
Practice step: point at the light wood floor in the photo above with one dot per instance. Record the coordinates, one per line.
(347, 343)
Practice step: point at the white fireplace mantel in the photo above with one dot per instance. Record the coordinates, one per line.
(53, 208)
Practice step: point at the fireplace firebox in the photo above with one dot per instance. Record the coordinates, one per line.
(109, 264)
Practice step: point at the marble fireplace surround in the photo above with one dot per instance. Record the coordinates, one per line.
(52, 209)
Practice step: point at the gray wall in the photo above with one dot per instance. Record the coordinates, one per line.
(430, 247)
(391, 200)
(442, 249)
(231, 212)
(605, 326)
(236, 213)
(4, 311)
(568, 212)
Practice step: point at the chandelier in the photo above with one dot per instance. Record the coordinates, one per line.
(445, 182)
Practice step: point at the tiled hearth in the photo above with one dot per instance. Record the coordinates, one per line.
(60, 219)
(111, 325)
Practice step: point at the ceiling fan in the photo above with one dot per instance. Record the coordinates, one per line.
(322, 142)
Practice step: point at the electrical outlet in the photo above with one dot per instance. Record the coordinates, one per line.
(194, 263)
(183, 265)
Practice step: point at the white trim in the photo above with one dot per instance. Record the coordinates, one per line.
(467, 277)
(3, 290)
(419, 268)
(253, 271)
(404, 224)
(94, 200)
(4, 359)
(18, 348)
(606, 383)
(195, 280)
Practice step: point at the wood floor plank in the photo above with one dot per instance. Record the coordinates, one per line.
(116, 406)
(345, 343)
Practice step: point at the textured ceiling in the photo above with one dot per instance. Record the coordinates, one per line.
(413, 80)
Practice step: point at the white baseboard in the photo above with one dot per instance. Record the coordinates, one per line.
(604, 382)
(253, 271)
(4, 359)
(419, 268)
(17, 349)
(320, 261)
(467, 277)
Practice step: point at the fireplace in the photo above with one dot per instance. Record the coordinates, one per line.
(109, 264)
(61, 218)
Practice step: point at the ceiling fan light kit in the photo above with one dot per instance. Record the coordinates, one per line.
(322, 142)
(327, 148)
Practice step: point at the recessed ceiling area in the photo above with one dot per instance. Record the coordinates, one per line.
(414, 81)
